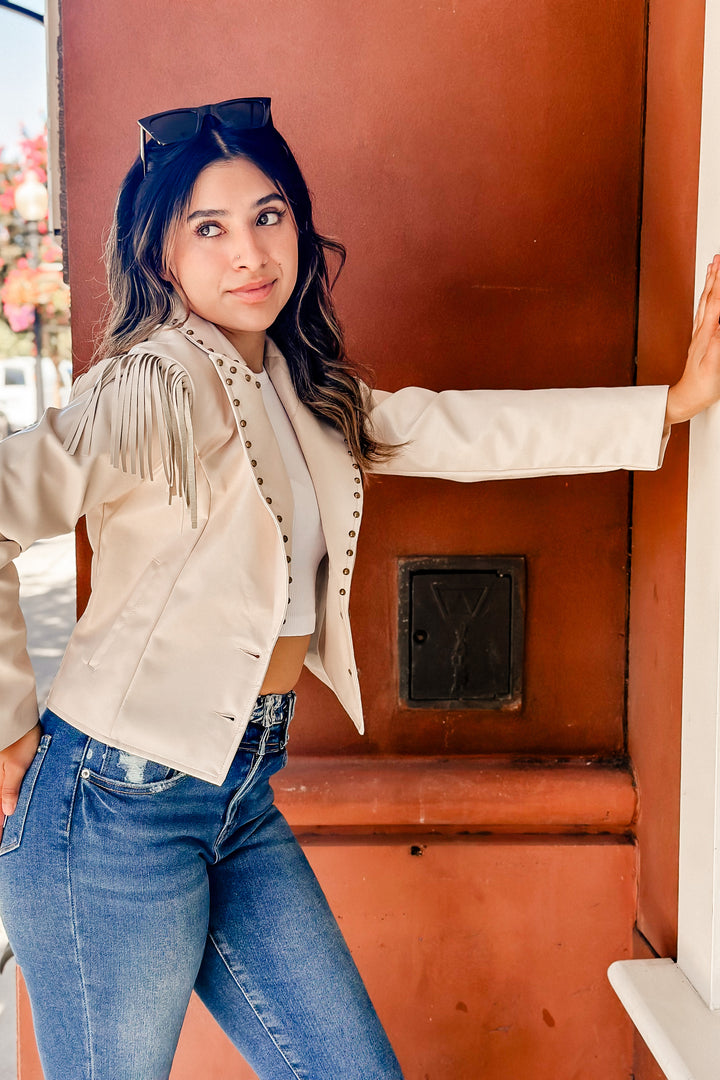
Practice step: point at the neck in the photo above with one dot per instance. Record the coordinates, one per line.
(251, 346)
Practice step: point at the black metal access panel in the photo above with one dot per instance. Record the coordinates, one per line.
(461, 633)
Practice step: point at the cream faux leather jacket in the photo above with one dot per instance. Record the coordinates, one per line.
(189, 591)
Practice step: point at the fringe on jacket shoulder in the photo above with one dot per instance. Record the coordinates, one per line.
(151, 395)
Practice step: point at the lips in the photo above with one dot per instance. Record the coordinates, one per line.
(255, 291)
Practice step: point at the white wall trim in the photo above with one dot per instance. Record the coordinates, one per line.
(682, 1034)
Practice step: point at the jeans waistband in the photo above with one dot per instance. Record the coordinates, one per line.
(267, 729)
(271, 709)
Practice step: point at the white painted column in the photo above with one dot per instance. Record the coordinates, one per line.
(676, 1007)
(699, 910)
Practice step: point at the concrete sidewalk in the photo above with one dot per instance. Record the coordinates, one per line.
(47, 588)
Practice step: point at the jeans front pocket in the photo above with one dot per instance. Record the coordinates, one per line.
(125, 773)
(14, 825)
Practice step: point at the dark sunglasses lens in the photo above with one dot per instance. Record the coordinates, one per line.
(242, 113)
(173, 127)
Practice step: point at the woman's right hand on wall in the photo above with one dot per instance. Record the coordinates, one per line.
(14, 763)
(699, 384)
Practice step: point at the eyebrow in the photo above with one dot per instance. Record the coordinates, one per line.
(225, 213)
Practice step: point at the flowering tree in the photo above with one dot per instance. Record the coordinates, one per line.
(30, 275)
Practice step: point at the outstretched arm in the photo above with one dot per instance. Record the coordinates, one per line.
(699, 384)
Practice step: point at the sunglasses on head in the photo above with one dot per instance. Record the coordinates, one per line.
(179, 125)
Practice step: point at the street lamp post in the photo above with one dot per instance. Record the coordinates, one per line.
(31, 203)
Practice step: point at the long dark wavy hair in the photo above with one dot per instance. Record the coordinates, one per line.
(150, 206)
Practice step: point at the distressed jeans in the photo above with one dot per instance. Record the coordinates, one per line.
(125, 884)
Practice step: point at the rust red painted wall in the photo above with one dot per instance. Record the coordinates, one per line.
(483, 164)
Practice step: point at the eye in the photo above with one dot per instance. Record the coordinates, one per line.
(271, 217)
(208, 229)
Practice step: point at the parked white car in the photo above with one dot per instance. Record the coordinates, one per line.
(18, 396)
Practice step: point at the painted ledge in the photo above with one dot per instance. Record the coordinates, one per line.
(494, 794)
(681, 1032)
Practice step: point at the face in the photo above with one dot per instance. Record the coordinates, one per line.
(235, 254)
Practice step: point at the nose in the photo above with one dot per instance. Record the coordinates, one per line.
(251, 254)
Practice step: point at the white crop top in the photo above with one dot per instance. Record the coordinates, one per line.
(308, 541)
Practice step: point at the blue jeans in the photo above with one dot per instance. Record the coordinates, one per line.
(124, 885)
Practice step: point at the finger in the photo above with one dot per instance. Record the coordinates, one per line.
(12, 778)
(710, 313)
(700, 310)
(712, 305)
(711, 279)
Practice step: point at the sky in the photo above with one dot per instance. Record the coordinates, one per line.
(22, 76)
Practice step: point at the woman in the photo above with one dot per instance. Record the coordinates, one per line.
(142, 855)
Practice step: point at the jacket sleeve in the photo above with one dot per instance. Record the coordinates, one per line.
(472, 435)
(130, 415)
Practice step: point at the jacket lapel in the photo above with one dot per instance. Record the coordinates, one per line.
(326, 455)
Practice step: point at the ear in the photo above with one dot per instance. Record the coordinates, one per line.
(167, 267)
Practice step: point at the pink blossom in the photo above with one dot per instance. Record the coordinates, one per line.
(20, 316)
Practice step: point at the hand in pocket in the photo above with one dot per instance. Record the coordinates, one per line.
(15, 760)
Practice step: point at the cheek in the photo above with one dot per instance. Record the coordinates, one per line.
(190, 271)
(291, 265)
